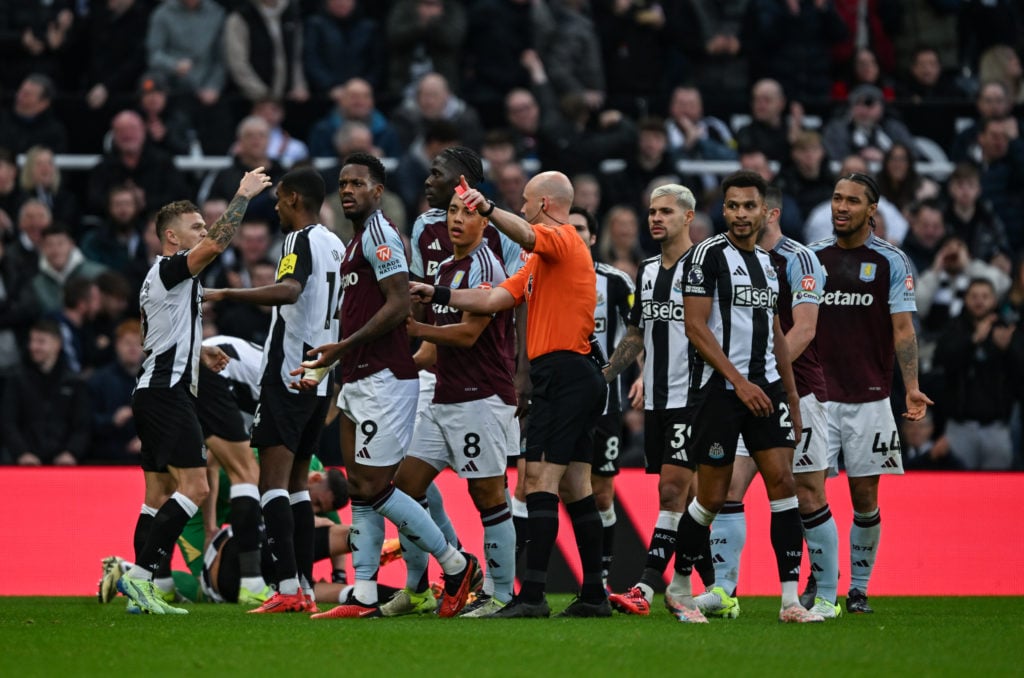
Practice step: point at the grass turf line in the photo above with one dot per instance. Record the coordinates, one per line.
(928, 636)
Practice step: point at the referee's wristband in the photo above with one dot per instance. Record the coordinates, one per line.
(489, 212)
(442, 295)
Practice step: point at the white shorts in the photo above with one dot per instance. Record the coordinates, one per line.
(472, 437)
(867, 435)
(812, 452)
(384, 410)
(428, 380)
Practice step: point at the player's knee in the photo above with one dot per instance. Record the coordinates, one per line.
(487, 494)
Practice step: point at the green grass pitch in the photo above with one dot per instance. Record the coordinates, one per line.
(906, 636)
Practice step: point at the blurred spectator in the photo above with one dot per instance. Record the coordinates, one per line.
(927, 22)
(249, 321)
(17, 309)
(340, 44)
(354, 104)
(716, 44)
(497, 151)
(619, 244)
(10, 197)
(510, 181)
(433, 101)
(424, 36)
(115, 52)
(502, 36)
(1001, 63)
(926, 235)
(769, 131)
(31, 120)
(870, 27)
(972, 220)
(928, 97)
(45, 415)
(252, 137)
(355, 137)
(587, 194)
(40, 179)
(414, 165)
(281, 146)
(649, 158)
(574, 59)
(184, 45)
(693, 135)
(921, 452)
(864, 70)
(701, 227)
(583, 143)
(117, 242)
(33, 39)
(818, 225)
(982, 366)
(33, 218)
(793, 44)
(132, 161)
(899, 181)
(531, 117)
(167, 125)
(993, 101)
(942, 289)
(60, 261)
(251, 246)
(806, 175)
(1002, 175)
(988, 23)
(80, 305)
(864, 127)
(118, 300)
(263, 50)
(114, 438)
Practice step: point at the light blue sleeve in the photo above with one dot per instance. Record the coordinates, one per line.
(512, 253)
(386, 258)
(806, 276)
(416, 262)
(901, 283)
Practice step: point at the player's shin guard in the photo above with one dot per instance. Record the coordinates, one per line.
(416, 559)
(788, 543)
(303, 518)
(366, 536)
(728, 535)
(586, 525)
(692, 537)
(864, 537)
(245, 525)
(661, 547)
(607, 541)
(822, 539)
(543, 525)
(166, 528)
(142, 529)
(277, 515)
(416, 524)
(435, 504)
(500, 550)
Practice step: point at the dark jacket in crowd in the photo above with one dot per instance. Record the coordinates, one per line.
(110, 389)
(336, 50)
(45, 414)
(18, 134)
(155, 174)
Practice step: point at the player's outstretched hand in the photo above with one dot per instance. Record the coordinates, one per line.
(917, 405)
(214, 358)
(421, 293)
(312, 372)
(754, 398)
(636, 394)
(212, 294)
(253, 183)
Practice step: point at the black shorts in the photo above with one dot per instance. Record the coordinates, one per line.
(722, 417)
(219, 414)
(167, 424)
(569, 394)
(293, 419)
(667, 438)
(607, 445)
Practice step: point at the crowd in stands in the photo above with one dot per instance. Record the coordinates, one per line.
(618, 94)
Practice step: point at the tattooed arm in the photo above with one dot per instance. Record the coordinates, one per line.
(625, 353)
(220, 234)
(905, 343)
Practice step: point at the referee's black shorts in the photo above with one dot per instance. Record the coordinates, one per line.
(293, 419)
(569, 394)
(167, 424)
(219, 414)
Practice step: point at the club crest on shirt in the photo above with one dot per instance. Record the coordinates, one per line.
(867, 272)
(677, 286)
(769, 271)
(600, 299)
(457, 279)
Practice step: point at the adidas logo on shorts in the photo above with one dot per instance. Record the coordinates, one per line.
(805, 460)
(890, 463)
(469, 468)
(607, 468)
(363, 453)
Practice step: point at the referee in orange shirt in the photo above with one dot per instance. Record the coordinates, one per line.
(558, 282)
